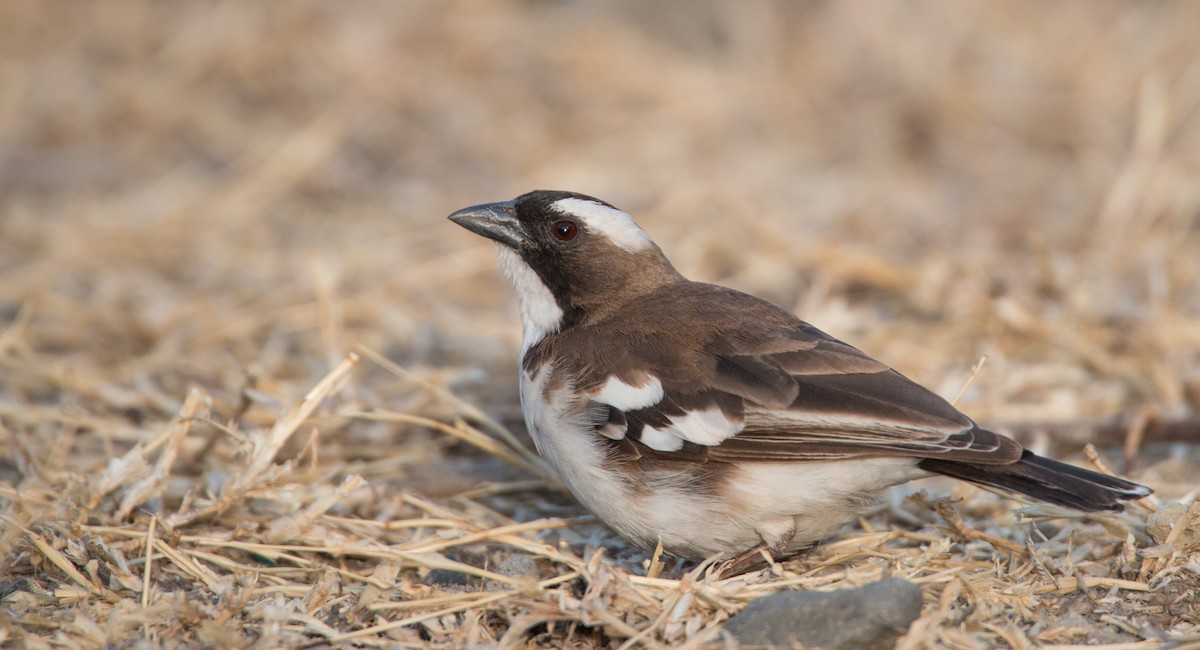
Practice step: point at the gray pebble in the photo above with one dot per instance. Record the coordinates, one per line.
(518, 566)
(513, 566)
(447, 580)
(871, 617)
(1159, 524)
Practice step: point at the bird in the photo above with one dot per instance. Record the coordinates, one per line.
(714, 422)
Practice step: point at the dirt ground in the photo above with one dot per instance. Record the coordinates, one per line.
(256, 391)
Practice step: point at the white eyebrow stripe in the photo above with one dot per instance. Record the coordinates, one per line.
(624, 397)
(615, 224)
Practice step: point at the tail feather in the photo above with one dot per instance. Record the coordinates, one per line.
(1046, 480)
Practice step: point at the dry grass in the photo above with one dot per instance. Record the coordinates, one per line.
(207, 207)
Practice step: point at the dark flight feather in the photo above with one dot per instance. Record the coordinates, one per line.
(1046, 480)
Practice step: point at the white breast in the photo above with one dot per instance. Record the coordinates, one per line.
(557, 424)
(675, 511)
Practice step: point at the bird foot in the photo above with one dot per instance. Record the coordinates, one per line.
(754, 558)
(757, 558)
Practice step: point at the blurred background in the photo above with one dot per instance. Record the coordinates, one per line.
(232, 195)
(931, 180)
(196, 191)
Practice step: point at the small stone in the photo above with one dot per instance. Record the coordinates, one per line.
(1159, 524)
(871, 617)
(446, 580)
(518, 566)
(521, 567)
(8, 586)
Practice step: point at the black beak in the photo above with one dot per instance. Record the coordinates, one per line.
(496, 221)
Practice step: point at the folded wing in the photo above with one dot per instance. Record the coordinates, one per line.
(765, 387)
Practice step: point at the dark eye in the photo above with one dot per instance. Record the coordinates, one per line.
(565, 230)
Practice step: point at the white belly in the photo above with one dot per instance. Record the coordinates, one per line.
(754, 503)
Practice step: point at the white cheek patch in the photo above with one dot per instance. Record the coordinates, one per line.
(708, 427)
(661, 439)
(624, 397)
(618, 226)
(540, 313)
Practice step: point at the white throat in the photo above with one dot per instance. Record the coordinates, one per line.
(540, 313)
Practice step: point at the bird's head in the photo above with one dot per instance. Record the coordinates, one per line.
(570, 257)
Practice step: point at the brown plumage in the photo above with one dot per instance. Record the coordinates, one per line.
(643, 387)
